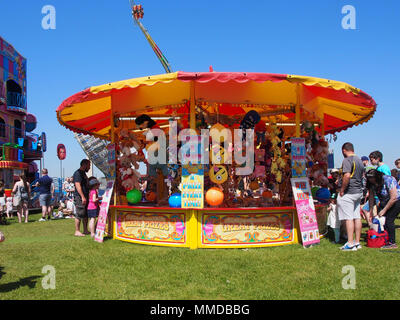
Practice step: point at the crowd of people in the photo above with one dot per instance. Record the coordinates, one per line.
(80, 199)
(364, 188)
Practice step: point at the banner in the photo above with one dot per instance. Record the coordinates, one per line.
(192, 181)
(44, 142)
(61, 151)
(111, 161)
(152, 228)
(105, 204)
(298, 148)
(192, 188)
(235, 230)
(96, 150)
(305, 211)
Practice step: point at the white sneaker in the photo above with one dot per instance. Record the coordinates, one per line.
(349, 247)
(358, 246)
(41, 219)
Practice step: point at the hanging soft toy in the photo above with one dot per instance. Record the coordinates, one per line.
(278, 164)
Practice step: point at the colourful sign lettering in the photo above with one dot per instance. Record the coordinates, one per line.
(157, 228)
(305, 211)
(105, 204)
(298, 148)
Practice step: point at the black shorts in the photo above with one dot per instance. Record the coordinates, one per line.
(80, 209)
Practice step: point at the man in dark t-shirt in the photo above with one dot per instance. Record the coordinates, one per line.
(46, 192)
(81, 195)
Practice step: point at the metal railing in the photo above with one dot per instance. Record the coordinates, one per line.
(15, 99)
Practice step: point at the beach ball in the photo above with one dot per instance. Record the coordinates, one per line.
(133, 196)
(175, 200)
(214, 197)
(151, 196)
(323, 195)
(2, 238)
(314, 191)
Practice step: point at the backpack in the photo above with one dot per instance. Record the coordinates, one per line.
(375, 239)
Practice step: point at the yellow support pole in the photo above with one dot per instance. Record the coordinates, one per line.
(192, 229)
(297, 111)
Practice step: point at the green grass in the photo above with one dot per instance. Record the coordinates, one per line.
(118, 270)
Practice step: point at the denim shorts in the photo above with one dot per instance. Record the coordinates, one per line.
(45, 200)
(93, 213)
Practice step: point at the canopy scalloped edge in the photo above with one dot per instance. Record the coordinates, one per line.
(100, 91)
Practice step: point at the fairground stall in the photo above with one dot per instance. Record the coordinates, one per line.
(214, 186)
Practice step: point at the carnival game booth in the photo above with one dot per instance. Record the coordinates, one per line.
(217, 203)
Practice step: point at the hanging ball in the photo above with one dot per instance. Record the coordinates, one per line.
(175, 200)
(323, 195)
(133, 196)
(314, 191)
(214, 197)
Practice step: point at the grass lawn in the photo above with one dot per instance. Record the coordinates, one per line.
(117, 270)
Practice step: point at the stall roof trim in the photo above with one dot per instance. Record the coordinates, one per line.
(338, 104)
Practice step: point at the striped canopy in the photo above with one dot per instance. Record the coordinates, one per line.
(335, 104)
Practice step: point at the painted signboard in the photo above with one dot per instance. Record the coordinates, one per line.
(230, 230)
(152, 228)
(305, 211)
(105, 204)
(192, 188)
(298, 148)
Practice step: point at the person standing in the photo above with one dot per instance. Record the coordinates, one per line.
(350, 195)
(93, 206)
(397, 164)
(81, 196)
(365, 161)
(376, 158)
(2, 202)
(46, 192)
(22, 194)
(387, 190)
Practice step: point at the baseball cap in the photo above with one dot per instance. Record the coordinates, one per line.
(364, 158)
(93, 182)
(334, 170)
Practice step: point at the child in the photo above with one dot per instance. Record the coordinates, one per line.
(93, 205)
(9, 207)
(333, 219)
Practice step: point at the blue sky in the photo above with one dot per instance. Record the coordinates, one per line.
(96, 42)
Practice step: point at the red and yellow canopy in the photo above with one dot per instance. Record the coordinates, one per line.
(335, 104)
